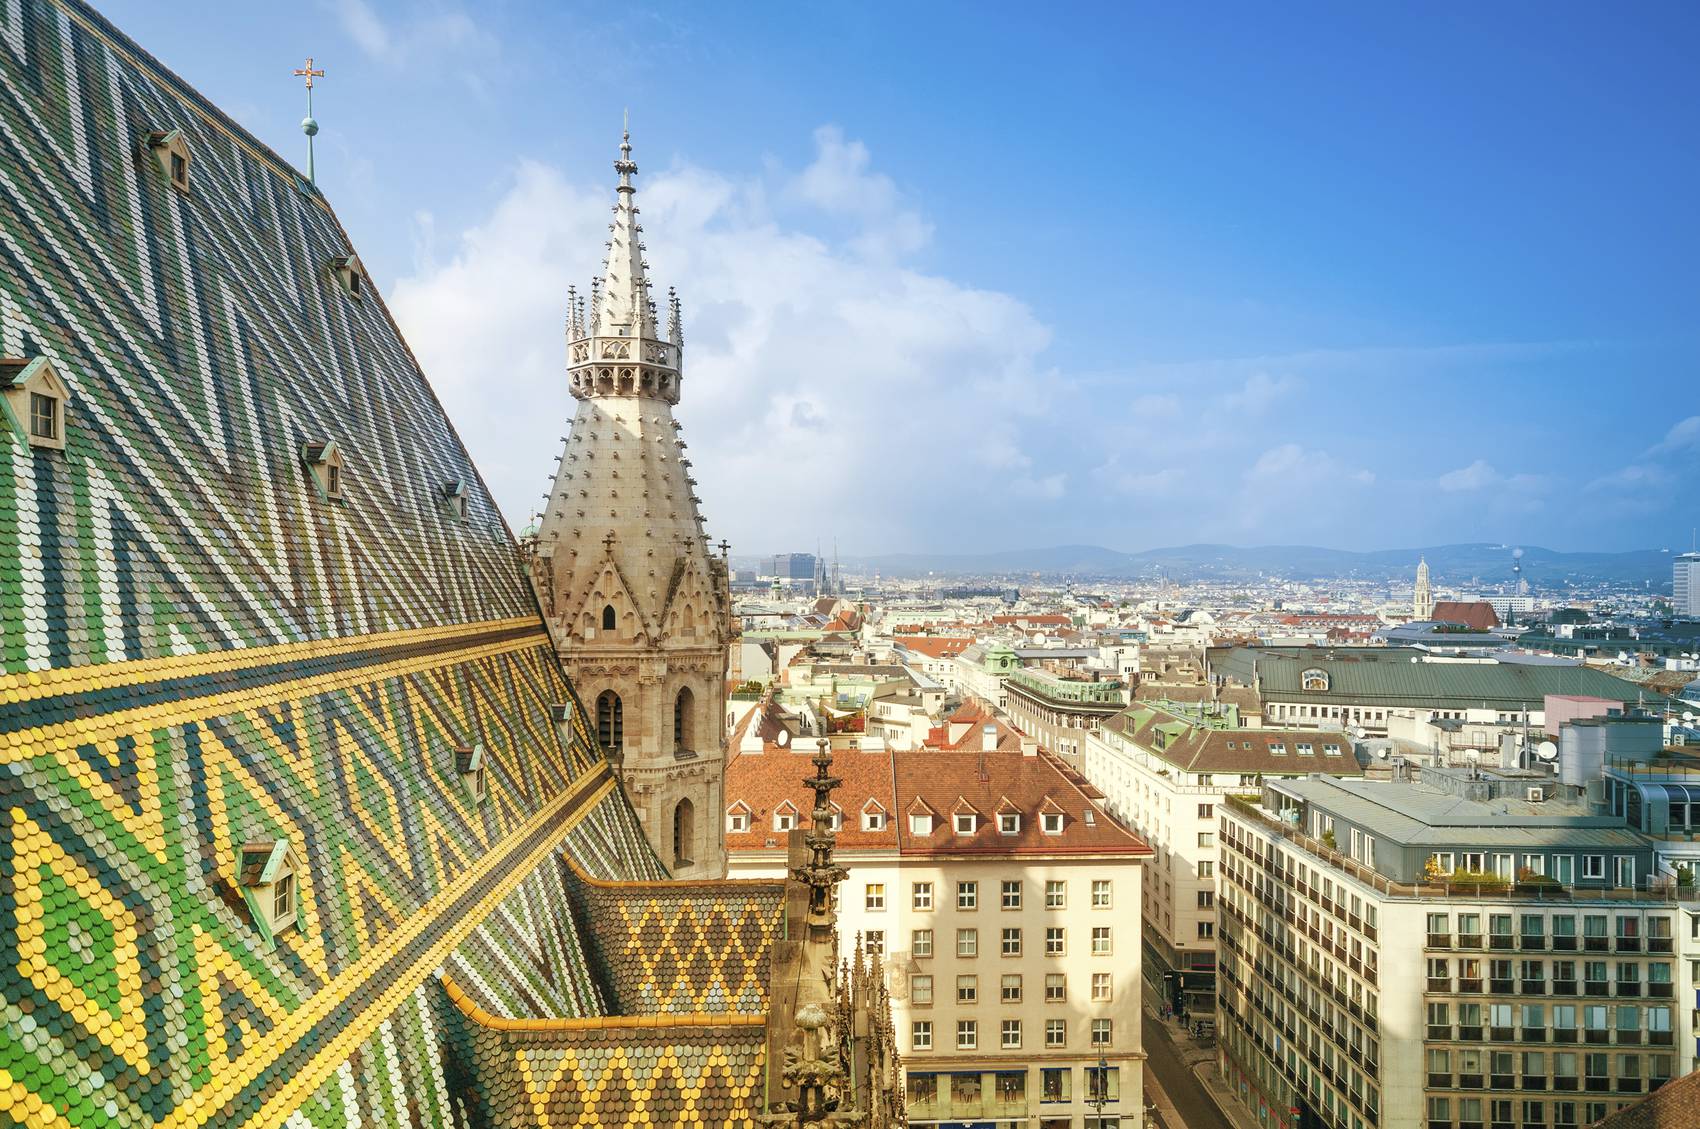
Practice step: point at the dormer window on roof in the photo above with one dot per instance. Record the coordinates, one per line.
(170, 149)
(454, 497)
(1314, 680)
(34, 396)
(738, 818)
(324, 460)
(266, 875)
(785, 816)
(1009, 823)
(350, 274)
(873, 816)
(1051, 822)
(920, 823)
(469, 766)
(966, 822)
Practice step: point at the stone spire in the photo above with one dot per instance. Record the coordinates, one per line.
(618, 350)
(624, 307)
(1422, 599)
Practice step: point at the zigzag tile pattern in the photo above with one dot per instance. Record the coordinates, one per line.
(199, 650)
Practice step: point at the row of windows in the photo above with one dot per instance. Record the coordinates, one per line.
(1009, 941)
(1103, 1083)
(1508, 866)
(1536, 1114)
(1530, 976)
(1471, 1067)
(1534, 929)
(1010, 988)
(1009, 823)
(1010, 894)
(1596, 1019)
(1010, 1034)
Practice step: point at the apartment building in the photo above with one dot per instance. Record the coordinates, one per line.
(1163, 771)
(1443, 954)
(1000, 898)
(1060, 709)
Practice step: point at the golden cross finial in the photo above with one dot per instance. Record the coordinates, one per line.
(308, 73)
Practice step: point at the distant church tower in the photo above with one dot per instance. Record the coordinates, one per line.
(639, 608)
(1422, 601)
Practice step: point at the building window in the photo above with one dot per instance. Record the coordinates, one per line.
(44, 416)
(684, 832)
(966, 822)
(785, 818)
(1100, 893)
(1100, 940)
(1304, 749)
(920, 825)
(921, 1035)
(324, 463)
(921, 942)
(1009, 823)
(1011, 1035)
(1101, 1032)
(1052, 822)
(1207, 870)
(1206, 899)
(967, 942)
(967, 895)
(1054, 941)
(1206, 839)
(1012, 942)
(1593, 866)
(610, 721)
(967, 989)
(610, 618)
(1206, 930)
(873, 821)
(967, 1034)
(1010, 989)
(874, 896)
(1056, 893)
(1101, 987)
(684, 723)
(921, 989)
(1054, 1080)
(1056, 1032)
(1206, 811)
(266, 872)
(738, 821)
(1010, 892)
(874, 941)
(921, 895)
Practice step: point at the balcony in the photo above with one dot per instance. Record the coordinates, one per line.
(1500, 941)
(1629, 987)
(1440, 1031)
(1467, 1034)
(1534, 987)
(1564, 987)
(1661, 990)
(1501, 987)
(1440, 1081)
(1470, 1081)
(1564, 1083)
(1564, 1034)
(1597, 1085)
(1469, 940)
(1501, 1034)
(1534, 1082)
(1597, 1037)
(1659, 944)
(1534, 1034)
(1629, 944)
(1474, 984)
(1628, 1038)
(1502, 1081)
(1596, 988)
(1563, 944)
(1661, 1038)
(1595, 944)
(1533, 942)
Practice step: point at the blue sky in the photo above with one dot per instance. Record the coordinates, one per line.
(964, 277)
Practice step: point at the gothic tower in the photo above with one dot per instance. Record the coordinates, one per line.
(1422, 600)
(638, 605)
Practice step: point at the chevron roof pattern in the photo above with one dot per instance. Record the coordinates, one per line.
(205, 643)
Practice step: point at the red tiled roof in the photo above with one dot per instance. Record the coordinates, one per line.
(1032, 620)
(1675, 1105)
(936, 646)
(1478, 614)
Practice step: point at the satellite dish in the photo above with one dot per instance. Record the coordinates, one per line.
(1357, 732)
(1547, 751)
(783, 739)
(1381, 752)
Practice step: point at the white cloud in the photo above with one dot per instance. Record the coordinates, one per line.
(1259, 392)
(837, 182)
(823, 384)
(424, 36)
(1682, 437)
(1482, 475)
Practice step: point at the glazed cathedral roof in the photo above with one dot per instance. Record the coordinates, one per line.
(259, 604)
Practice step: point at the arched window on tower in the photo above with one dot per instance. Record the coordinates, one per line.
(684, 832)
(610, 621)
(610, 721)
(684, 728)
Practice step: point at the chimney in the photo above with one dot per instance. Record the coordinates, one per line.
(989, 739)
(1029, 747)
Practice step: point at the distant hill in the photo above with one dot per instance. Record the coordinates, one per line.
(1450, 564)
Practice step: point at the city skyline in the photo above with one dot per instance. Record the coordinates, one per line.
(1219, 268)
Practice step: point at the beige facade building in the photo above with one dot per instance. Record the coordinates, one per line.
(1001, 900)
(638, 606)
(1441, 955)
(1163, 773)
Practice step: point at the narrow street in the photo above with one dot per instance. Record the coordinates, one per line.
(1191, 1106)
